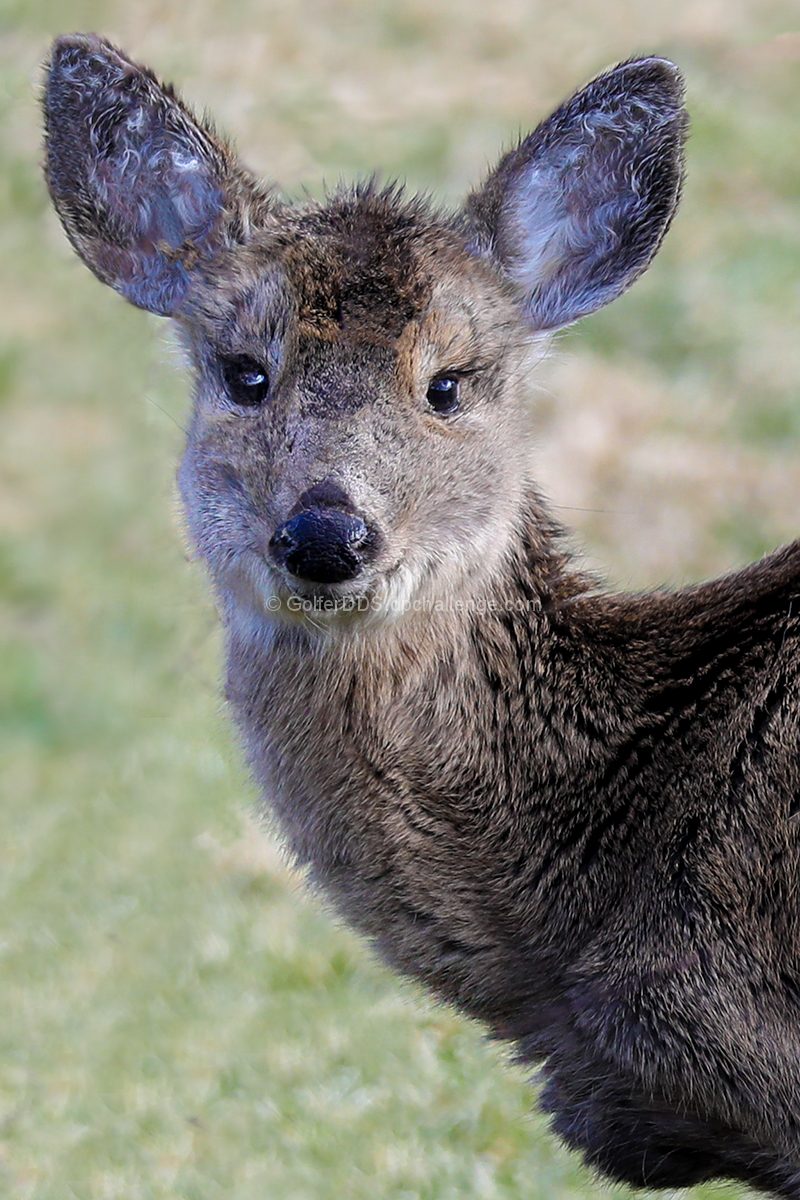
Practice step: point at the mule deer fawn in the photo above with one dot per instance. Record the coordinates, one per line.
(571, 814)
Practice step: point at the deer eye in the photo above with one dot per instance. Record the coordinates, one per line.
(246, 380)
(442, 394)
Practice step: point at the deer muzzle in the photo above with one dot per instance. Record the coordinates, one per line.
(322, 545)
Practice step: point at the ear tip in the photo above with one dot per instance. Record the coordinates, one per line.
(78, 53)
(651, 71)
(78, 45)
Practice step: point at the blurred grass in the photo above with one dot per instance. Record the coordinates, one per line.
(178, 1018)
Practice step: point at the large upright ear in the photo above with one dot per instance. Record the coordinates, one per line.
(576, 212)
(145, 192)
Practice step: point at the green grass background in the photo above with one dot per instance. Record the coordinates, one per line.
(177, 1018)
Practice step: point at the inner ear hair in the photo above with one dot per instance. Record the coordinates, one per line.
(578, 209)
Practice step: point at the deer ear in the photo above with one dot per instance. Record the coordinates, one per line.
(576, 212)
(144, 191)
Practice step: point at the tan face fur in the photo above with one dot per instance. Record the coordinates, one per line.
(348, 406)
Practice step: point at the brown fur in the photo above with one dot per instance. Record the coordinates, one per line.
(574, 815)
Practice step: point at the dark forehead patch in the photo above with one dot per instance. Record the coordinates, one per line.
(354, 270)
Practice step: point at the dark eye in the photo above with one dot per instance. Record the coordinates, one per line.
(247, 382)
(443, 394)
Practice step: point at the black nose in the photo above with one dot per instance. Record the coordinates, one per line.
(322, 545)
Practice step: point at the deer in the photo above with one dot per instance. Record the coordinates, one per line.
(571, 813)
